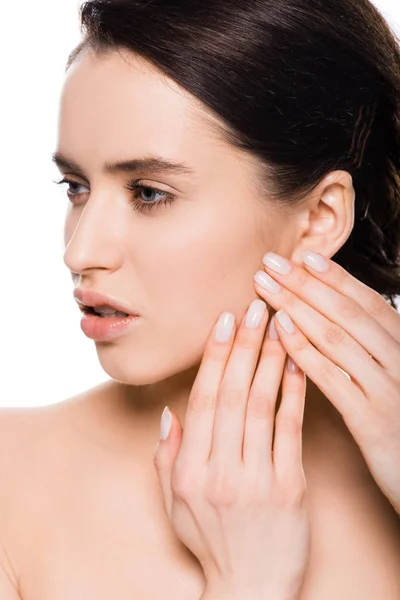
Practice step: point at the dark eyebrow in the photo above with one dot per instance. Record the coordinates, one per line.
(151, 163)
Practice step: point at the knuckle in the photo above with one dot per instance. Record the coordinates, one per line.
(183, 484)
(214, 353)
(295, 387)
(378, 305)
(288, 424)
(158, 462)
(201, 401)
(329, 370)
(260, 405)
(290, 300)
(339, 276)
(334, 335)
(300, 494)
(231, 397)
(348, 308)
(271, 356)
(245, 341)
(295, 496)
(301, 343)
(302, 278)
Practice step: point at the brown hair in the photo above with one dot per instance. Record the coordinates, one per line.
(307, 86)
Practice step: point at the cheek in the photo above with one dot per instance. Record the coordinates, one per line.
(203, 278)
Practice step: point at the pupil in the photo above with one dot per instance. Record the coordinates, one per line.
(150, 191)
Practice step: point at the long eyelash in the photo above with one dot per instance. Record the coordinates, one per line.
(64, 180)
(60, 181)
(134, 186)
(140, 206)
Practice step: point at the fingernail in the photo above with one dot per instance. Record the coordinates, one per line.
(285, 321)
(166, 421)
(272, 334)
(267, 282)
(291, 365)
(315, 261)
(255, 313)
(224, 327)
(277, 263)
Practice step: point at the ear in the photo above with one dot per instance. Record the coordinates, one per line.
(326, 217)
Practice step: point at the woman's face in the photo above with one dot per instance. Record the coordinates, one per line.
(179, 265)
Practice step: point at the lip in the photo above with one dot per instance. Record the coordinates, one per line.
(107, 329)
(91, 298)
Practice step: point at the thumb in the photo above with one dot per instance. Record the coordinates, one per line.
(165, 454)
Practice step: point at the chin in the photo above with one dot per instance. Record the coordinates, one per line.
(138, 369)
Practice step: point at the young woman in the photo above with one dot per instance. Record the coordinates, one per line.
(234, 193)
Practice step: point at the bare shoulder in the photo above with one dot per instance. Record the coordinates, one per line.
(40, 458)
(33, 439)
(27, 432)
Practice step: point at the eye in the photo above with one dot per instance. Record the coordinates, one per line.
(143, 205)
(73, 185)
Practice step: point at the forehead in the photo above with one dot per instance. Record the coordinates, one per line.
(117, 99)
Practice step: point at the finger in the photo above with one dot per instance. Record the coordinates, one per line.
(230, 411)
(344, 300)
(342, 281)
(261, 406)
(331, 339)
(287, 457)
(165, 455)
(344, 394)
(199, 418)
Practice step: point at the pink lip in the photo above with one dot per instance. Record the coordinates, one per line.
(90, 298)
(107, 329)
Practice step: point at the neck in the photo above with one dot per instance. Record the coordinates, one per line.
(140, 407)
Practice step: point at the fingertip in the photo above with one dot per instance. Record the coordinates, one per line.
(166, 423)
(224, 327)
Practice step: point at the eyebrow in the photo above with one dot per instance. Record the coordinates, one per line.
(150, 163)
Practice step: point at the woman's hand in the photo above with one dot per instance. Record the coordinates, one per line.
(241, 510)
(341, 322)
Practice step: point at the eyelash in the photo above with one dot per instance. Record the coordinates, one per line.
(133, 186)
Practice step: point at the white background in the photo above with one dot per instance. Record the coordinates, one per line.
(45, 357)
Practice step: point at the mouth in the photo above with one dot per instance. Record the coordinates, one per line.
(93, 303)
(104, 312)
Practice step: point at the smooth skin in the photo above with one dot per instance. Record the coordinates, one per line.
(344, 323)
(234, 487)
(82, 513)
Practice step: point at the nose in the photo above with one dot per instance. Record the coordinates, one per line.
(93, 235)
